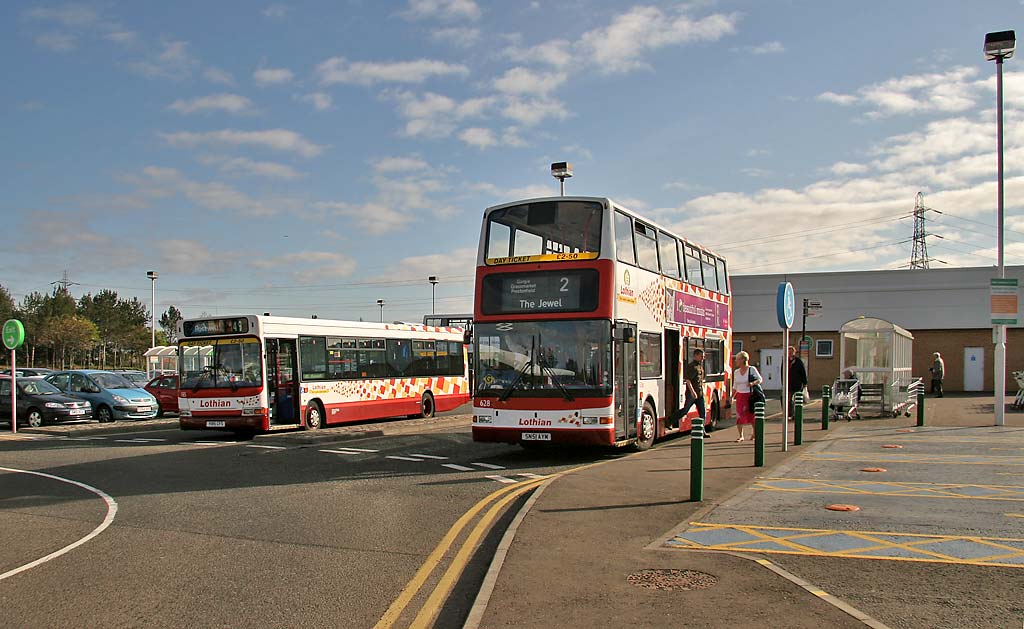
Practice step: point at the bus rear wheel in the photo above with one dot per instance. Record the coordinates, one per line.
(646, 429)
(314, 416)
(427, 405)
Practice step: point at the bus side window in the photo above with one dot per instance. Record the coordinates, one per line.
(693, 270)
(498, 240)
(646, 247)
(669, 253)
(624, 238)
(710, 276)
(723, 277)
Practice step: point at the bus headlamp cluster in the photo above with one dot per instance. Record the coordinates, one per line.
(592, 421)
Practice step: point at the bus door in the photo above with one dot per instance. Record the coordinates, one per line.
(672, 380)
(626, 384)
(282, 383)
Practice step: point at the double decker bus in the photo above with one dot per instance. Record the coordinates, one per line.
(254, 373)
(585, 314)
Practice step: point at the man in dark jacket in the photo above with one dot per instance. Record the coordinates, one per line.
(797, 377)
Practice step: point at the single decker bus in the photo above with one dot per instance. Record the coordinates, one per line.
(585, 314)
(253, 373)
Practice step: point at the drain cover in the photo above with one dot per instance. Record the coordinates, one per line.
(671, 579)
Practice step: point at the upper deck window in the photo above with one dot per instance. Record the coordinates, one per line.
(624, 238)
(646, 246)
(693, 270)
(544, 230)
(669, 256)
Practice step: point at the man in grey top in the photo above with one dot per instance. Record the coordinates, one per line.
(938, 371)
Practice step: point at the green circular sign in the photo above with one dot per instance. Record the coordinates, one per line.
(14, 334)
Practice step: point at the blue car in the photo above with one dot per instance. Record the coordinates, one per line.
(113, 396)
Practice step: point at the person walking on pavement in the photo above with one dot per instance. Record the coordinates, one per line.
(938, 371)
(693, 376)
(797, 377)
(744, 379)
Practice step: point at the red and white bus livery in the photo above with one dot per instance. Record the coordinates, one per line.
(585, 314)
(254, 373)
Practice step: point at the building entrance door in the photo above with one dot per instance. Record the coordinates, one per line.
(974, 368)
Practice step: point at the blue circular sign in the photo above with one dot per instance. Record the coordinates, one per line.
(785, 305)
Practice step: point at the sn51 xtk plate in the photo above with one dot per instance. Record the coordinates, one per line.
(536, 436)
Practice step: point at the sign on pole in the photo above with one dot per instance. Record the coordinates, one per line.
(14, 336)
(1004, 300)
(785, 312)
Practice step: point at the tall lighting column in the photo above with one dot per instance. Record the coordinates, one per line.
(152, 275)
(433, 284)
(998, 47)
(380, 302)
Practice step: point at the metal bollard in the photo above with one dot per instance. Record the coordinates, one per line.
(920, 406)
(697, 460)
(798, 419)
(759, 434)
(826, 398)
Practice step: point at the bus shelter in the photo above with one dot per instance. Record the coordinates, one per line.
(161, 359)
(878, 354)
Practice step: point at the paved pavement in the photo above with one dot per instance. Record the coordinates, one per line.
(938, 540)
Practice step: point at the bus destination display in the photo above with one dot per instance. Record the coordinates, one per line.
(546, 291)
(212, 327)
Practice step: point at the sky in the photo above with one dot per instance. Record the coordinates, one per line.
(314, 157)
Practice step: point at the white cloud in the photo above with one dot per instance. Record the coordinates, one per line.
(319, 100)
(556, 53)
(432, 115)
(340, 70)
(272, 76)
(174, 61)
(838, 99)
(620, 46)
(69, 15)
(277, 139)
(213, 195)
(276, 11)
(56, 42)
(216, 75)
(231, 103)
(374, 218)
(533, 112)
(187, 257)
(123, 38)
(245, 166)
(953, 91)
(521, 80)
(847, 168)
(399, 164)
(443, 10)
(768, 48)
(460, 37)
(479, 137)
(309, 266)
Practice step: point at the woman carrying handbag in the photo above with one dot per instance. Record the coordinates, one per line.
(746, 391)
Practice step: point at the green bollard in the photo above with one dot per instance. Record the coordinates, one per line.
(920, 407)
(759, 434)
(798, 419)
(826, 398)
(697, 460)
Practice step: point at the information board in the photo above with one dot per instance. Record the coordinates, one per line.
(573, 290)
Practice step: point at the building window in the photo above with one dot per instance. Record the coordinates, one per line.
(823, 348)
(737, 347)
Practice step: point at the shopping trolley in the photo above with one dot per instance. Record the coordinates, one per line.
(845, 395)
(1018, 402)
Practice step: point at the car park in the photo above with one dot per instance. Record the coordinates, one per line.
(139, 378)
(165, 390)
(113, 396)
(39, 402)
(23, 372)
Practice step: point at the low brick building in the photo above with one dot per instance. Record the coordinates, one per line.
(947, 311)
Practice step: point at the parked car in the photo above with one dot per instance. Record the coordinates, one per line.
(39, 402)
(28, 371)
(113, 396)
(139, 378)
(165, 390)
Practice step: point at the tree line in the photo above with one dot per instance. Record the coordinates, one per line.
(101, 331)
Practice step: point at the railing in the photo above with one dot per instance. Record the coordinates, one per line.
(908, 395)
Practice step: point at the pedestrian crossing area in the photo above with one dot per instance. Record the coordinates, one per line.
(499, 473)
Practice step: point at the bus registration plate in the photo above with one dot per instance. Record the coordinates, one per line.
(536, 436)
(215, 423)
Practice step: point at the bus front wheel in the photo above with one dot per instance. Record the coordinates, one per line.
(314, 416)
(647, 428)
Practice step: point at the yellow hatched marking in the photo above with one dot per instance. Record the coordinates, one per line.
(874, 544)
(903, 489)
(910, 458)
(1014, 515)
(819, 593)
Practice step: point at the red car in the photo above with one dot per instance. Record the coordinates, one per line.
(165, 390)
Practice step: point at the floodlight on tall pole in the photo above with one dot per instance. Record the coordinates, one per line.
(152, 275)
(998, 47)
(561, 171)
(380, 302)
(433, 284)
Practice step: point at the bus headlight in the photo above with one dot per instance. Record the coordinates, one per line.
(481, 419)
(589, 421)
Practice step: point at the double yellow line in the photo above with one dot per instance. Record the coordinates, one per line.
(432, 606)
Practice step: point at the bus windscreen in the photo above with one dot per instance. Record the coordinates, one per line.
(545, 230)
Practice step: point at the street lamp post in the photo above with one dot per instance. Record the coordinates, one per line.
(561, 171)
(998, 47)
(380, 302)
(433, 284)
(152, 275)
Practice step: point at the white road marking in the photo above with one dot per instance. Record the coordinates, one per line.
(137, 440)
(359, 449)
(489, 466)
(344, 451)
(206, 443)
(404, 458)
(146, 439)
(267, 447)
(84, 438)
(501, 479)
(430, 456)
(458, 468)
(111, 512)
(528, 475)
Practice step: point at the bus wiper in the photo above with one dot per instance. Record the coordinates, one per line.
(205, 373)
(561, 387)
(522, 372)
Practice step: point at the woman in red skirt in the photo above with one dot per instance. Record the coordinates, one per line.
(743, 379)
